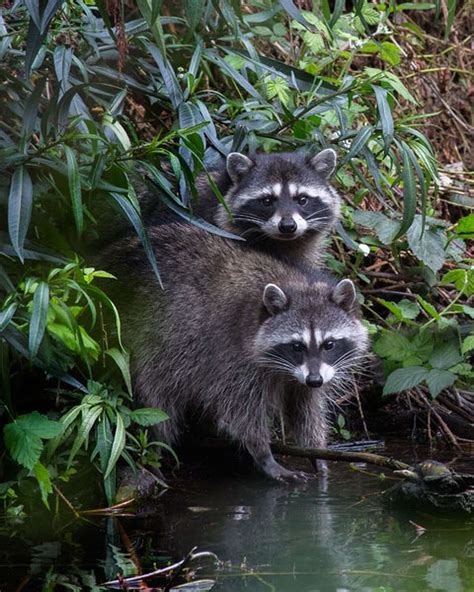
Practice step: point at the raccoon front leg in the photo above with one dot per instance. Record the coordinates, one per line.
(307, 418)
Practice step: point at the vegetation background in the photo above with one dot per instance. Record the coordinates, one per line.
(90, 90)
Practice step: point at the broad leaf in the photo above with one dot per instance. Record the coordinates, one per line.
(438, 380)
(404, 378)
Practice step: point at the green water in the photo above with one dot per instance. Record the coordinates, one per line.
(333, 536)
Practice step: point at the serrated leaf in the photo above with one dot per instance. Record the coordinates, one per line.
(438, 380)
(20, 202)
(463, 279)
(147, 416)
(393, 346)
(38, 318)
(117, 445)
(23, 437)
(403, 379)
(409, 309)
(445, 355)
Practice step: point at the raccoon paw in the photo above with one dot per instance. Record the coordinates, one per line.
(281, 474)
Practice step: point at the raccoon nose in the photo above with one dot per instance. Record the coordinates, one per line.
(314, 380)
(287, 226)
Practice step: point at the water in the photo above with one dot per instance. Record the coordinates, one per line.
(315, 537)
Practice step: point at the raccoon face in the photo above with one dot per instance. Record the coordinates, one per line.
(282, 196)
(314, 337)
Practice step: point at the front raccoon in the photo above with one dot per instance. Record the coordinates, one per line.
(238, 337)
(282, 203)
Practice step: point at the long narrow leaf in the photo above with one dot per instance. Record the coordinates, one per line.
(20, 202)
(409, 195)
(74, 181)
(133, 217)
(38, 318)
(385, 114)
(117, 445)
(7, 315)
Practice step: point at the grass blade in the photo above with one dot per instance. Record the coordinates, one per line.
(409, 195)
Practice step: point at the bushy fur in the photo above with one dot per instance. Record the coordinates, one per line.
(206, 343)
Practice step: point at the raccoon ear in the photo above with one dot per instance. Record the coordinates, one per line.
(324, 162)
(237, 165)
(344, 294)
(274, 299)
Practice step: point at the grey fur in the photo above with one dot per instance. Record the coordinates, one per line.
(204, 344)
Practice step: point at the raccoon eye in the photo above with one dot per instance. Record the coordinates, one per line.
(328, 344)
(297, 346)
(267, 201)
(302, 200)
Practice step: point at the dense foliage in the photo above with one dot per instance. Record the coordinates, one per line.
(92, 90)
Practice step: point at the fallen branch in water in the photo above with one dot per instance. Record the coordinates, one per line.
(338, 455)
(164, 571)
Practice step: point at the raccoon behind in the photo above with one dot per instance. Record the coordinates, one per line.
(237, 336)
(281, 203)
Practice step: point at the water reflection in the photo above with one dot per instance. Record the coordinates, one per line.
(337, 536)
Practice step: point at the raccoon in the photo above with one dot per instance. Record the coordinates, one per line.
(280, 203)
(238, 337)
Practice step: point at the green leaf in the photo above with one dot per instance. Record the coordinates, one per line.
(465, 227)
(147, 416)
(385, 115)
(450, 17)
(360, 141)
(463, 279)
(89, 417)
(23, 437)
(74, 181)
(44, 482)
(445, 355)
(117, 445)
(137, 223)
(429, 308)
(7, 315)
(393, 346)
(290, 7)
(468, 344)
(122, 359)
(427, 246)
(438, 380)
(409, 195)
(20, 202)
(403, 379)
(385, 228)
(409, 309)
(194, 11)
(38, 318)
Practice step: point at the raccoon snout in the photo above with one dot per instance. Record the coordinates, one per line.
(314, 380)
(287, 226)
